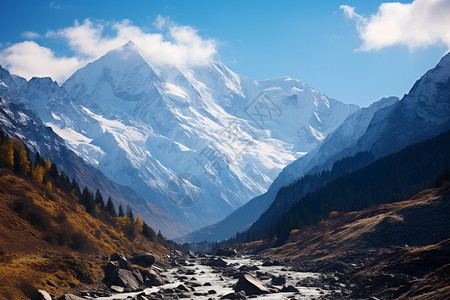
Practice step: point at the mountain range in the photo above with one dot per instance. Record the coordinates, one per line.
(384, 127)
(205, 134)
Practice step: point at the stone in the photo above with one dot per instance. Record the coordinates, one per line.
(228, 252)
(143, 259)
(151, 278)
(237, 295)
(43, 295)
(124, 278)
(289, 289)
(250, 285)
(216, 263)
(117, 256)
(280, 280)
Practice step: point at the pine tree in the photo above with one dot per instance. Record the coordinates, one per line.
(121, 213)
(111, 208)
(87, 199)
(148, 232)
(99, 199)
(130, 213)
(21, 161)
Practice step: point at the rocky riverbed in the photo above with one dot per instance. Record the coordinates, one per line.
(221, 277)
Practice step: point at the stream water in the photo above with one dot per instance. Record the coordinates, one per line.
(209, 279)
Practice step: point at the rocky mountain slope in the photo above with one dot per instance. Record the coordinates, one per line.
(19, 120)
(49, 241)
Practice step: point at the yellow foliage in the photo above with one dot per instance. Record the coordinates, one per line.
(7, 156)
(49, 185)
(48, 164)
(38, 173)
(294, 231)
(138, 224)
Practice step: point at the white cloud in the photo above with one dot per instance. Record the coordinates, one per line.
(28, 59)
(31, 35)
(419, 24)
(179, 46)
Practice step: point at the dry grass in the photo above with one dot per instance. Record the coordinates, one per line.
(45, 235)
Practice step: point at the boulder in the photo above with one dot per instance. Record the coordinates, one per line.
(228, 252)
(43, 295)
(109, 269)
(270, 263)
(246, 268)
(289, 289)
(250, 285)
(152, 278)
(237, 295)
(117, 256)
(143, 259)
(124, 278)
(280, 280)
(117, 289)
(216, 263)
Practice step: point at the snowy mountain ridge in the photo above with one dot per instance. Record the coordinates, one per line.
(145, 126)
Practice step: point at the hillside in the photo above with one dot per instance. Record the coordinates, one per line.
(388, 179)
(49, 241)
(399, 250)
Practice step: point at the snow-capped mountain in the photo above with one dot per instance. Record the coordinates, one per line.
(330, 150)
(384, 127)
(205, 135)
(19, 120)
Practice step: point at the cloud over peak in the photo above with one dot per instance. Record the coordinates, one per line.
(419, 24)
(174, 45)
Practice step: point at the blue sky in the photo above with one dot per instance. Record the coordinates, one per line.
(346, 54)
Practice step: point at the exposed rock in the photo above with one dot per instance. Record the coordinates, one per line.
(289, 289)
(246, 268)
(117, 257)
(143, 259)
(216, 263)
(152, 278)
(124, 278)
(270, 263)
(228, 252)
(237, 295)
(43, 295)
(280, 280)
(250, 285)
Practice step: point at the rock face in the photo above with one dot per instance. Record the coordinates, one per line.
(250, 285)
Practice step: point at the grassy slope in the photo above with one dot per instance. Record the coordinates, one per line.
(46, 235)
(408, 239)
